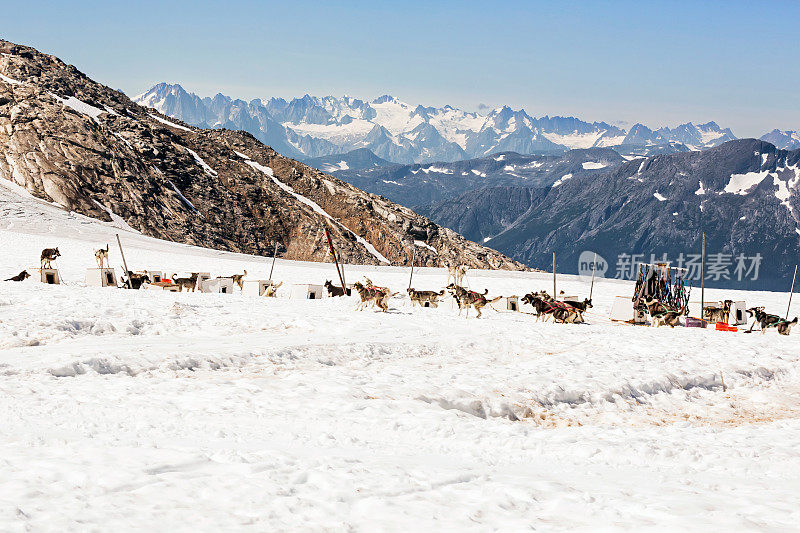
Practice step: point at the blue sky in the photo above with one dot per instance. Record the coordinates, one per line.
(661, 63)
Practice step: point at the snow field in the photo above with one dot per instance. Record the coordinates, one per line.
(188, 411)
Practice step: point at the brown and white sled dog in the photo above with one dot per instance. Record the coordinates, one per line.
(466, 298)
(372, 294)
(272, 290)
(661, 315)
(189, 283)
(48, 255)
(238, 279)
(457, 273)
(718, 314)
(423, 297)
(101, 256)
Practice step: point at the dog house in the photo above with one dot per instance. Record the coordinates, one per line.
(622, 311)
(217, 286)
(201, 277)
(508, 303)
(101, 277)
(50, 276)
(155, 276)
(304, 291)
(256, 287)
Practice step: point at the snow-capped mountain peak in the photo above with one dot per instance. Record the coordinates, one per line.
(311, 126)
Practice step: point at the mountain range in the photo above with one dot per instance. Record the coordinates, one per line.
(76, 143)
(744, 194)
(311, 127)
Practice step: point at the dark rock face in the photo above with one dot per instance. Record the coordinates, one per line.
(424, 186)
(90, 149)
(744, 194)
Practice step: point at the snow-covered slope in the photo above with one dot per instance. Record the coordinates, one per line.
(312, 127)
(171, 411)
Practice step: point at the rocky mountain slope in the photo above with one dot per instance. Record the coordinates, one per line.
(90, 149)
(420, 185)
(744, 194)
(311, 127)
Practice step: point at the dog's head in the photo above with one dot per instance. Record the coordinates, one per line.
(56, 253)
(327, 284)
(24, 274)
(588, 302)
(410, 290)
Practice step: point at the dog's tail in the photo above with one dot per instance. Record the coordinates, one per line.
(440, 292)
(494, 300)
(173, 277)
(485, 292)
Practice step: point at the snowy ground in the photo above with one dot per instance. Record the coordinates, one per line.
(166, 411)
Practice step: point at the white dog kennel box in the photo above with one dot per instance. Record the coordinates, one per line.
(622, 310)
(738, 314)
(155, 275)
(50, 276)
(217, 285)
(508, 303)
(101, 277)
(304, 291)
(255, 287)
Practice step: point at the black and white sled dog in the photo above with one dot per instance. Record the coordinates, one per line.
(766, 320)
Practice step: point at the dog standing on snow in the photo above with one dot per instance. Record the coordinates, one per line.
(423, 297)
(466, 298)
(48, 255)
(101, 256)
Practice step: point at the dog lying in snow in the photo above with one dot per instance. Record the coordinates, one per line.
(372, 294)
(189, 283)
(22, 276)
(718, 314)
(661, 314)
(466, 298)
(766, 320)
(333, 290)
(101, 256)
(422, 297)
(48, 255)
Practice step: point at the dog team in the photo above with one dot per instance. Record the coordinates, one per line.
(544, 305)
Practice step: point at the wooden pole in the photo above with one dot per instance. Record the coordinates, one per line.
(703, 284)
(335, 260)
(594, 268)
(127, 272)
(555, 294)
(413, 256)
(274, 255)
(790, 294)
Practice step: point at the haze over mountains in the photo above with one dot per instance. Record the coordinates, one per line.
(312, 127)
